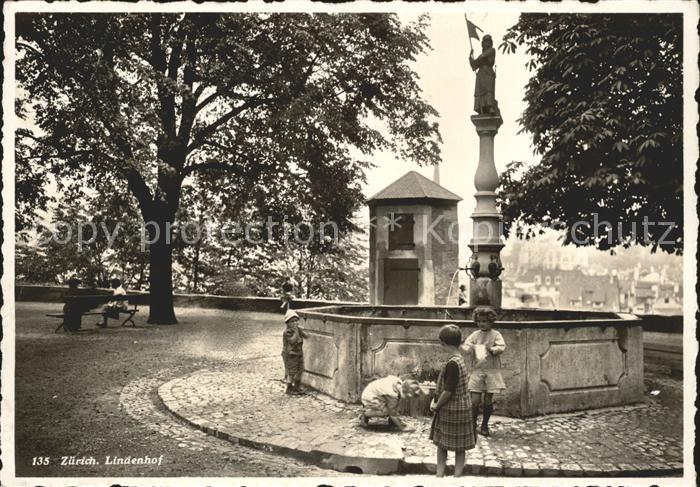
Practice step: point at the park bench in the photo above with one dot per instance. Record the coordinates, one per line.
(84, 303)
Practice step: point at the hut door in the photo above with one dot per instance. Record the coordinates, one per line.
(401, 281)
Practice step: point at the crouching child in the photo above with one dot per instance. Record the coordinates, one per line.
(380, 399)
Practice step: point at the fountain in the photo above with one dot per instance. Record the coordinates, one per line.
(556, 361)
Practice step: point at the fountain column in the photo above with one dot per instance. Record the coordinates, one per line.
(486, 243)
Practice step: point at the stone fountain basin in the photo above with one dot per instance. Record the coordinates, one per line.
(555, 361)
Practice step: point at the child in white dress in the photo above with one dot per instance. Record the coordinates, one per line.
(485, 347)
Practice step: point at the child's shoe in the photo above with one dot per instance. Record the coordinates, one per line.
(485, 430)
(289, 389)
(396, 423)
(364, 420)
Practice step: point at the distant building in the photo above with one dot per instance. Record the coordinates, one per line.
(562, 289)
(525, 295)
(589, 279)
(546, 253)
(653, 294)
(626, 287)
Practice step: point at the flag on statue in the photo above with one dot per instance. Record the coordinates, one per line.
(472, 29)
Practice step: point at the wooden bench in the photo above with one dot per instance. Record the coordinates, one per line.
(82, 304)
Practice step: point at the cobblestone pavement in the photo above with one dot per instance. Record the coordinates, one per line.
(139, 400)
(249, 405)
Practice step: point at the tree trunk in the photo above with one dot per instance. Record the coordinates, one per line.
(195, 266)
(309, 276)
(162, 311)
(139, 283)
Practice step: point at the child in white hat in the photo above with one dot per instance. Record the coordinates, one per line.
(292, 352)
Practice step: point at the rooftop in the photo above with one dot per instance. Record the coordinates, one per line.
(413, 185)
(574, 285)
(642, 293)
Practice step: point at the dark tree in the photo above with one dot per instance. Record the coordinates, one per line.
(605, 110)
(150, 101)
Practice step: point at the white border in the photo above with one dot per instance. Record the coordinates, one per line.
(690, 157)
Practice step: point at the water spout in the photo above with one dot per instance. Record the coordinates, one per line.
(449, 292)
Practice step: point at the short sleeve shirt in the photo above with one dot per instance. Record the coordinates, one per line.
(451, 376)
(383, 389)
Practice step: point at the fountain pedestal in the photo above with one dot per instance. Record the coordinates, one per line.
(486, 243)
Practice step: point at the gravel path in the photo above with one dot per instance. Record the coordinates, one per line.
(93, 394)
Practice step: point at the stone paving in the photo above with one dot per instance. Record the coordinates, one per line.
(137, 401)
(247, 406)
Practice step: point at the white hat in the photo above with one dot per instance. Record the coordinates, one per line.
(290, 314)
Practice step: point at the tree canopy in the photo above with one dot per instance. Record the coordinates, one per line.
(605, 111)
(77, 243)
(260, 108)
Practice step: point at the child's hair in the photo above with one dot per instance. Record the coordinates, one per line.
(407, 376)
(411, 388)
(116, 282)
(450, 335)
(485, 313)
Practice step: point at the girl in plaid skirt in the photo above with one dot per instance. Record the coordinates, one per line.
(451, 428)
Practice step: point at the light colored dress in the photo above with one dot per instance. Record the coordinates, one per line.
(486, 374)
(113, 308)
(381, 396)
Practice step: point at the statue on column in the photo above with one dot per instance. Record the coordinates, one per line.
(485, 264)
(485, 88)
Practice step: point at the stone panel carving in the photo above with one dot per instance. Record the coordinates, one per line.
(423, 356)
(575, 365)
(324, 359)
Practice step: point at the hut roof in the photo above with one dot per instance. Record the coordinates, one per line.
(413, 185)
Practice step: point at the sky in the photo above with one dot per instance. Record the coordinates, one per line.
(448, 85)
(447, 82)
